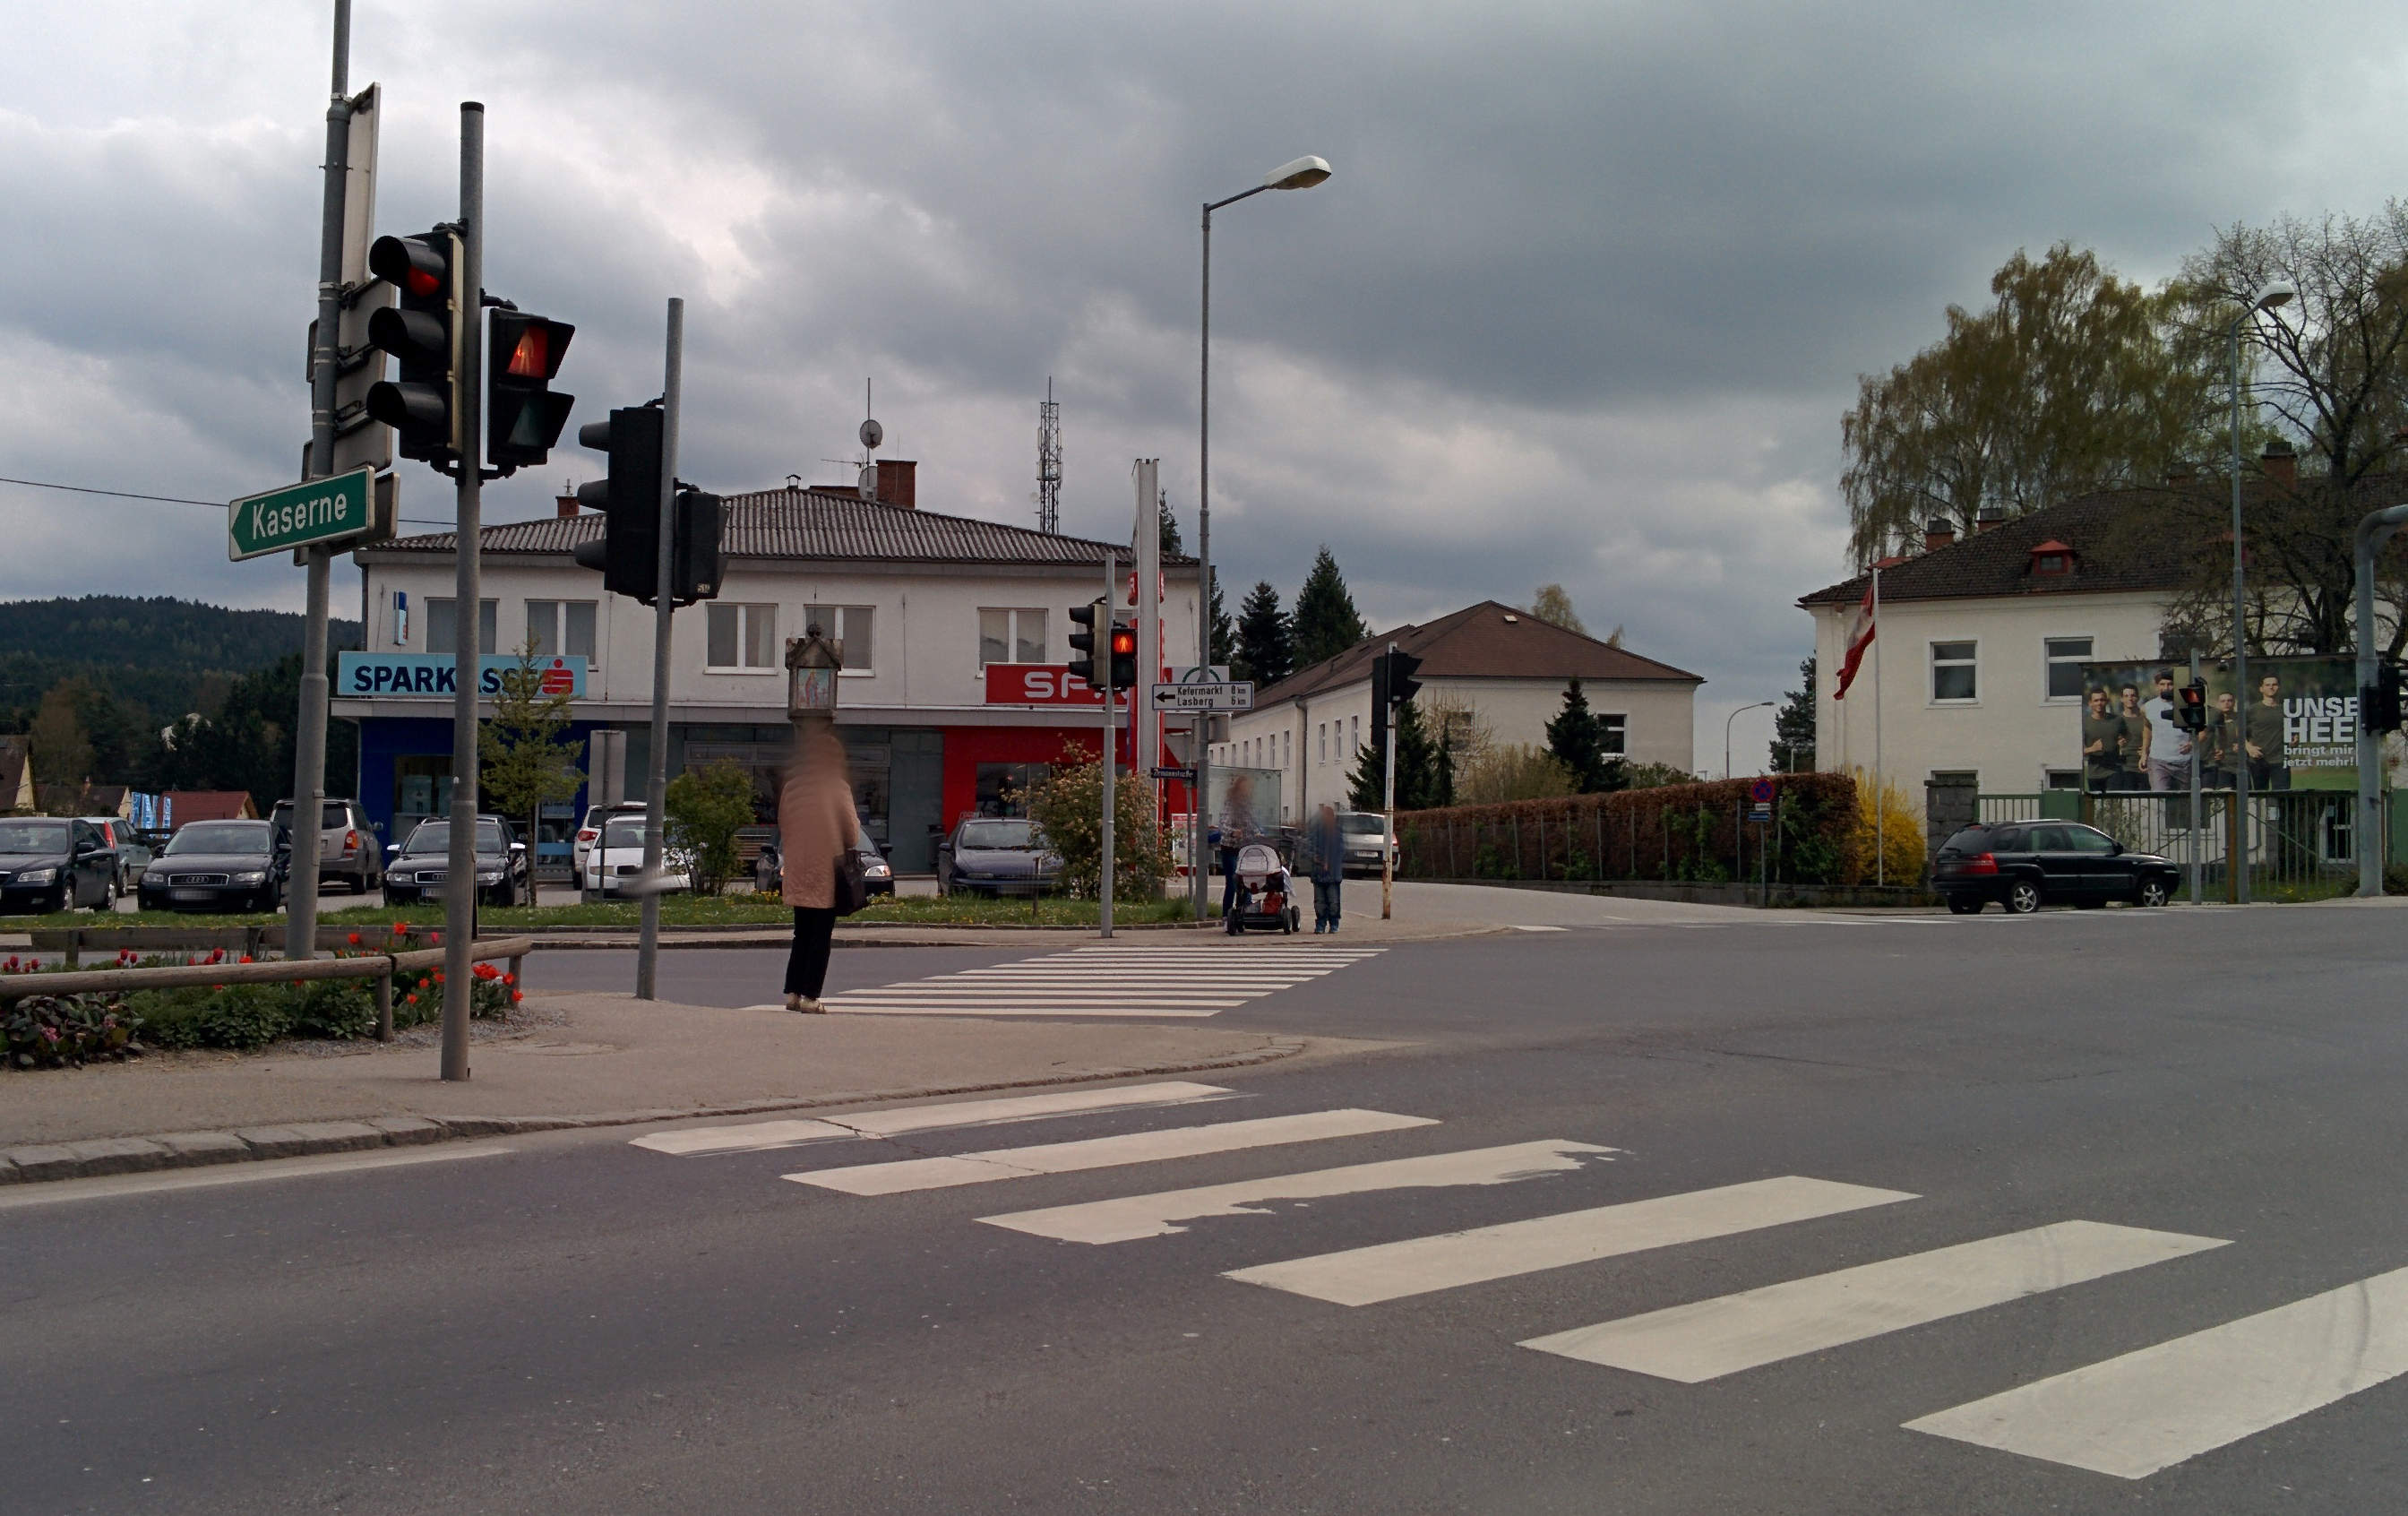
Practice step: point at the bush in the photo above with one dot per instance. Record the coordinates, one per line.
(1511, 772)
(1669, 832)
(705, 809)
(45, 1030)
(1069, 806)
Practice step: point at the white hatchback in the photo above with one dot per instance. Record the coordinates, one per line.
(614, 862)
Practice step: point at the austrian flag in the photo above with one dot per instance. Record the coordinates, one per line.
(1860, 637)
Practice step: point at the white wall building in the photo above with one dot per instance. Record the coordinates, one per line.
(1504, 664)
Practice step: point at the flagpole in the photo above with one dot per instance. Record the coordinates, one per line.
(1881, 808)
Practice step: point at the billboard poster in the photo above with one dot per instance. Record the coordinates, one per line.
(2295, 727)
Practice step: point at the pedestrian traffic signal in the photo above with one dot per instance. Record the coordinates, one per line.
(1124, 655)
(523, 416)
(694, 561)
(2190, 707)
(2380, 702)
(425, 330)
(1392, 678)
(1088, 617)
(628, 553)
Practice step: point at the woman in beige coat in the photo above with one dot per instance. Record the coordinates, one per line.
(816, 821)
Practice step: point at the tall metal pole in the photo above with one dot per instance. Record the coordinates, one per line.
(1881, 783)
(2197, 822)
(1104, 655)
(2240, 699)
(310, 728)
(460, 884)
(1388, 797)
(656, 787)
(1200, 748)
(2372, 533)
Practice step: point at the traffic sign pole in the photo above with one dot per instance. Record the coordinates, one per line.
(460, 888)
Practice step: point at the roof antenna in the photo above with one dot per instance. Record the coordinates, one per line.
(871, 436)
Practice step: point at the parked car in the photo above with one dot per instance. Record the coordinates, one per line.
(769, 867)
(132, 853)
(590, 830)
(55, 863)
(2027, 864)
(616, 861)
(420, 865)
(997, 856)
(347, 853)
(217, 866)
(1364, 834)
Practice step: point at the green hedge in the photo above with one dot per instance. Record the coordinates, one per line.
(1678, 832)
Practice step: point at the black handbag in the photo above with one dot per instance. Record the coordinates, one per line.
(852, 886)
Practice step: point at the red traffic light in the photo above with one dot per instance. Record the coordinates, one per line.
(1124, 641)
(527, 358)
(528, 346)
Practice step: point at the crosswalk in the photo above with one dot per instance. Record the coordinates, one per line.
(2127, 1416)
(1145, 981)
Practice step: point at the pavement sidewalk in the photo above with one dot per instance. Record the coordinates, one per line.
(576, 1060)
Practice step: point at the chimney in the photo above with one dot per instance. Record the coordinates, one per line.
(568, 505)
(2280, 463)
(1937, 533)
(1990, 516)
(897, 484)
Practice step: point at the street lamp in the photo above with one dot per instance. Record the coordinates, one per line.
(1300, 174)
(2276, 293)
(1726, 729)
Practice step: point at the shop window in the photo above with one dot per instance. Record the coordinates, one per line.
(741, 639)
(561, 628)
(1613, 733)
(1003, 787)
(854, 625)
(421, 787)
(2063, 779)
(1952, 671)
(1010, 635)
(2065, 656)
(443, 624)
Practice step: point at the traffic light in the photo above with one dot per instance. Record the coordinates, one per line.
(425, 333)
(2379, 703)
(1124, 656)
(2190, 707)
(694, 554)
(628, 553)
(1089, 617)
(523, 416)
(1392, 678)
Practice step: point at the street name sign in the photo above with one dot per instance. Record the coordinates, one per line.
(1182, 776)
(1225, 695)
(301, 515)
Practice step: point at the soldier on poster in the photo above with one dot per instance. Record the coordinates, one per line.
(2132, 775)
(2262, 737)
(2219, 744)
(2102, 742)
(2169, 760)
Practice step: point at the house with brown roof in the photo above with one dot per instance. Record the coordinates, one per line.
(955, 690)
(1503, 666)
(187, 806)
(1981, 638)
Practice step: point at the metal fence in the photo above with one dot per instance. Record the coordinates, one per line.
(2302, 842)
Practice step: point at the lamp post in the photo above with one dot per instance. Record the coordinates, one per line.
(2275, 294)
(1302, 174)
(1726, 729)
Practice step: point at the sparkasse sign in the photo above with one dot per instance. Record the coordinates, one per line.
(298, 515)
(1037, 684)
(430, 675)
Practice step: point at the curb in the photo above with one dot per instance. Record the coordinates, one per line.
(100, 1157)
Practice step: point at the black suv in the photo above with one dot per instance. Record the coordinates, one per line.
(2027, 864)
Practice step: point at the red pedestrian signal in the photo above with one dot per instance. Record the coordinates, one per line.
(1124, 656)
(523, 352)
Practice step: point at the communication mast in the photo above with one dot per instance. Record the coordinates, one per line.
(1049, 462)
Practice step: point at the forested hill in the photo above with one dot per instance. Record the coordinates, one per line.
(165, 655)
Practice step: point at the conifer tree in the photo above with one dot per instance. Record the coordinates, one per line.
(1418, 786)
(1325, 621)
(1266, 651)
(1576, 739)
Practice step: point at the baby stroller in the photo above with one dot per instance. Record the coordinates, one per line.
(1266, 897)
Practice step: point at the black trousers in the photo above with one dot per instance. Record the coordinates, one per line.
(806, 964)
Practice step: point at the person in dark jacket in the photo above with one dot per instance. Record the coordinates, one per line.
(1327, 849)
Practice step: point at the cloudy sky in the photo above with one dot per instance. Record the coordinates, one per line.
(1583, 302)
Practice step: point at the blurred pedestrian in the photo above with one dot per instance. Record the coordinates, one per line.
(815, 823)
(1237, 829)
(1327, 848)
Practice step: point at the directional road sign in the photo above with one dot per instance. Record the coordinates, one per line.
(298, 515)
(1226, 694)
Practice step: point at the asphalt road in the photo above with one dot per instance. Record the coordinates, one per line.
(576, 1323)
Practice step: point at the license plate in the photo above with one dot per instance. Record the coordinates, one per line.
(192, 894)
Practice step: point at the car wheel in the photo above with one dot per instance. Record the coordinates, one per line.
(1964, 906)
(2153, 892)
(108, 894)
(2023, 897)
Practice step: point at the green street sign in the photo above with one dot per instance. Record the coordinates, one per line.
(298, 515)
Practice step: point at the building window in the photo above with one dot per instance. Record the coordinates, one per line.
(1612, 735)
(1970, 776)
(2065, 656)
(1321, 743)
(854, 625)
(1357, 746)
(2063, 779)
(442, 624)
(1010, 635)
(1003, 787)
(560, 628)
(1952, 671)
(741, 639)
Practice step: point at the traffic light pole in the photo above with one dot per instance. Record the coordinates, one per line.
(1104, 653)
(1388, 804)
(2198, 822)
(459, 868)
(2375, 530)
(656, 787)
(310, 728)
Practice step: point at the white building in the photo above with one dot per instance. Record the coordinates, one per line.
(954, 690)
(1505, 666)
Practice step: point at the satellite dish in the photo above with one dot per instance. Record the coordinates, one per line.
(872, 434)
(868, 485)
